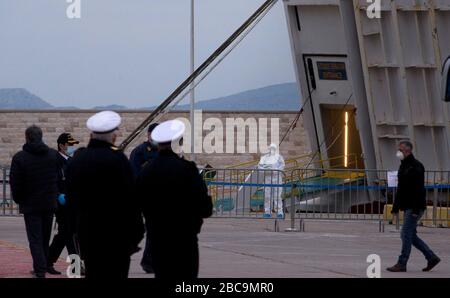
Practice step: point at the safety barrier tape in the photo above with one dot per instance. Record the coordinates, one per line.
(320, 186)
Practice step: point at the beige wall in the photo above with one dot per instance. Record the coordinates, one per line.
(54, 122)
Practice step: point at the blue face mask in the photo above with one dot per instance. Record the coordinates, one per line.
(70, 150)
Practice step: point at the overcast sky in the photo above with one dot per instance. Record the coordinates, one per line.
(134, 52)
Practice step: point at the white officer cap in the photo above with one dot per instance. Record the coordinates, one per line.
(168, 131)
(104, 122)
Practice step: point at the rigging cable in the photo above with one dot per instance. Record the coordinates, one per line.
(295, 121)
(236, 38)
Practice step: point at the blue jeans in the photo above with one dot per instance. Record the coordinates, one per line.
(409, 237)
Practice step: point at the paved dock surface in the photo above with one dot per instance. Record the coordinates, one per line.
(250, 248)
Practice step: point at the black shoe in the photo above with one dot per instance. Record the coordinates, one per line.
(82, 270)
(397, 268)
(53, 271)
(431, 264)
(37, 275)
(148, 269)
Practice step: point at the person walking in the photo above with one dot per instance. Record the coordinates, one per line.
(410, 199)
(34, 178)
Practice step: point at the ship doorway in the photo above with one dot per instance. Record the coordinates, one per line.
(342, 139)
(333, 111)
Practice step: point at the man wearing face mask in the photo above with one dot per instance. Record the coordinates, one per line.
(66, 146)
(410, 198)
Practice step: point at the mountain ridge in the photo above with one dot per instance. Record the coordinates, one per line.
(279, 97)
(286, 97)
(20, 98)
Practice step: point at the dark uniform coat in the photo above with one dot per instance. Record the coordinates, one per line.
(410, 190)
(110, 226)
(141, 155)
(139, 158)
(175, 201)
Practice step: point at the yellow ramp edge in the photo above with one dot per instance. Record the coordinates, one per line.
(442, 216)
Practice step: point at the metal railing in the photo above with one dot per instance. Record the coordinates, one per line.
(341, 194)
(240, 193)
(7, 205)
(333, 193)
(304, 194)
(322, 194)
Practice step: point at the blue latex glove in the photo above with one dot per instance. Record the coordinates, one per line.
(62, 199)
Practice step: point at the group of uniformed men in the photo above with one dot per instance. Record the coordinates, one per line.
(101, 200)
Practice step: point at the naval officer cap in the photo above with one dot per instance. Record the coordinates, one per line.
(104, 122)
(168, 131)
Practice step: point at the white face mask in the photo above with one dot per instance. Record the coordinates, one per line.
(400, 155)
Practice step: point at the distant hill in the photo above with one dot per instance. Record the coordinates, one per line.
(281, 97)
(111, 107)
(19, 98)
(67, 108)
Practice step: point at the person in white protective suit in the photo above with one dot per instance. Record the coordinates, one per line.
(272, 195)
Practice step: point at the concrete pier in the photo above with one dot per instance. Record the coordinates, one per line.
(250, 248)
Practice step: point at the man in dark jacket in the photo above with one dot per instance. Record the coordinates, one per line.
(140, 157)
(34, 186)
(144, 153)
(64, 238)
(172, 186)
(411, 198)
(100, 186)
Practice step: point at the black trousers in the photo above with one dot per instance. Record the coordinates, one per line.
(64, 238)
(176, 261)
(100, 266)
(146, 261)
(39, 227)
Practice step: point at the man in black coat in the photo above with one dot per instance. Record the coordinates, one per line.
(64, 237)
(140, 157)
(411, 198)
(174, 200)
(34, 186)
(144, 153)
(100, 187)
